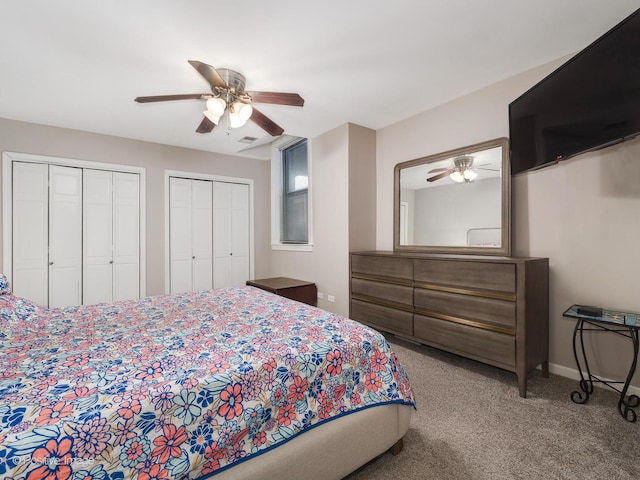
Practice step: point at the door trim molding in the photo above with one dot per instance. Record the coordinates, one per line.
(7, 205)
(215, 178)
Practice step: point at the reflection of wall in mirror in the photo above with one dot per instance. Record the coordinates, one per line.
(444, 214)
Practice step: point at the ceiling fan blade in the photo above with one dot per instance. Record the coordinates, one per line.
(209, 73)
(487, 169)
(266, 123)
(435, 170)
(277, 98)
(438, 177)
(205, 126)
(164, 98)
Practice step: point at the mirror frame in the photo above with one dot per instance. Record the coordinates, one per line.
(505, 247)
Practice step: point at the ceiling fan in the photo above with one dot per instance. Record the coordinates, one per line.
(462, 170)
(229, 96)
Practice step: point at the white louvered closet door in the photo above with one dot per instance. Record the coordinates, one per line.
(30, 226)
(230, 234)
(111, 236)
(190, 241)
(65, 236)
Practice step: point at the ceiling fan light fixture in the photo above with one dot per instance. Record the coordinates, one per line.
(456, 176)
(469, 175)
(244, 110)
(214, 118)
(239, 113)
(235, 121)
(216, 106)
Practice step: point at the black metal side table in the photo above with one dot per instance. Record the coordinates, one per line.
(626, 324)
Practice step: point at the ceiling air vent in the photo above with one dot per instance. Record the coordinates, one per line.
(247, 139)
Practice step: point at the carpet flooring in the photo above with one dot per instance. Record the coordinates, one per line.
(471, 424)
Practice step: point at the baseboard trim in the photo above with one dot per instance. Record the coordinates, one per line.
(573, 374)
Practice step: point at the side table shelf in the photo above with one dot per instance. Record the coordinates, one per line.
(625, 324)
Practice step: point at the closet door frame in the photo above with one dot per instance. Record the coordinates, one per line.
(215, 178)
(7, 201)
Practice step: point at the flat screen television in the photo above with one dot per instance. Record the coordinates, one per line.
(590, 102)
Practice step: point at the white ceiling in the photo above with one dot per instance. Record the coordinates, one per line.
(80, 63)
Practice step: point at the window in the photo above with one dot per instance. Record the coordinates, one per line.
(295, 194)
(291, 201)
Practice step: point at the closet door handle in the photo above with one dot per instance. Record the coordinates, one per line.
(50, 263)
(193, 258)
(111, 261)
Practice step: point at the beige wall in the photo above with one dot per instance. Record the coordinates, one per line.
(362, 188)
(328, 264)
(344, 198)
(584, 214)
(59, 142)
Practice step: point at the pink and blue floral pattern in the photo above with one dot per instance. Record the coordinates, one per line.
(180, 386)
(5, 286)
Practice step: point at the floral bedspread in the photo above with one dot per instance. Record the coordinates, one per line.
(180, 386)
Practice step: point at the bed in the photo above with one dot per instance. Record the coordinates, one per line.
(225, 383)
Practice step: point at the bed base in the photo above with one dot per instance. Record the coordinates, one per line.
(332, 450)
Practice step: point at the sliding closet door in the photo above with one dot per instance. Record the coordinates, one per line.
(30, 226)
(126, 236)
(98, 221)
(230, 234)
(65, 236)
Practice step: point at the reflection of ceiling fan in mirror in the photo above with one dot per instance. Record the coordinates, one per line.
(462, 170)
(229, 97)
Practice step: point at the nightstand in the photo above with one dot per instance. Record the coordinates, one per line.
(300, 290)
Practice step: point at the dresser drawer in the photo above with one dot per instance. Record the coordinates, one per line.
(388, 292)
(499, 313)
(400, 268)
(500, 277)
(382, 317)
(470, 341)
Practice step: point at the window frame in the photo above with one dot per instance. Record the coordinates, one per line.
(277, 196)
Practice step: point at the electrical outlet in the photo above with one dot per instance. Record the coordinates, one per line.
(331, 298)
(320, 296)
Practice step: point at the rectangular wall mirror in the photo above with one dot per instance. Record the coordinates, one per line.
(455, 202)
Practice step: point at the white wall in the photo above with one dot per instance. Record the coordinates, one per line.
(60, 142)
(584, 214)
(445, 213)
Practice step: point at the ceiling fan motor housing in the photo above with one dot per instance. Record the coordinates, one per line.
(463, 162)
(234, 80)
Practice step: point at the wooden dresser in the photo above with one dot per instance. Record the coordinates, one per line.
(491, 309)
